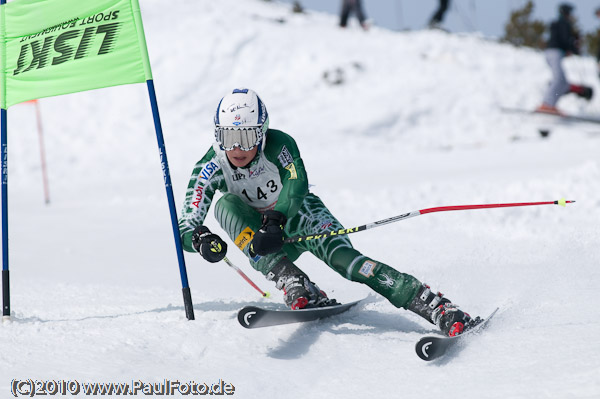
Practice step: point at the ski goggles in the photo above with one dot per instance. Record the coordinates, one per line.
(245, 137)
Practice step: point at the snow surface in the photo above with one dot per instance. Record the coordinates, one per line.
(96, 292)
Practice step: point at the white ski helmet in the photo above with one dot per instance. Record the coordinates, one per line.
(241, 120)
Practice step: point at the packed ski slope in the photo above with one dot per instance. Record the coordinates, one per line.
(416, 123)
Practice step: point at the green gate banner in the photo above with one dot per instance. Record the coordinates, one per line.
(54, 47)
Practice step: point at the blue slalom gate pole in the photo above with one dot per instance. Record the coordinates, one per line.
(5, 279)
(4, 155)
(187, 296)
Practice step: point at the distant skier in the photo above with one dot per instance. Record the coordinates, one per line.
(266, 198)
(438, 16)
(353, 6)
(563, 42)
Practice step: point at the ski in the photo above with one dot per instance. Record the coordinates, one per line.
(432, 347)
(256, 317)
(566, 117)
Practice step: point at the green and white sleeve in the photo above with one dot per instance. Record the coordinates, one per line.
(206, 179)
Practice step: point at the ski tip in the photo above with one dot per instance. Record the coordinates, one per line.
(249, 315)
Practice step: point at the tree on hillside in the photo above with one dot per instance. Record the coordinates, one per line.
(592, 42)
(520, 30)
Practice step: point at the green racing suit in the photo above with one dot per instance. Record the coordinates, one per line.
(276, 179)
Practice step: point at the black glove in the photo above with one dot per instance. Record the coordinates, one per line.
(269, 238)
(209, 245)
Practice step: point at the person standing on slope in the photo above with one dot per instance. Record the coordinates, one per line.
(266, 198)
(353, 6)
(563, 42)
(438, 16)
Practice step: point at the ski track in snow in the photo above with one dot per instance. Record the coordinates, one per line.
(95, 286)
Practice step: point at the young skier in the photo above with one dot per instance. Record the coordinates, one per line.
(266, 198)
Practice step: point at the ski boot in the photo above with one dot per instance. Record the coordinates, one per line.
(298, 291)
(582, 91)
(440, 311)
(548, 109)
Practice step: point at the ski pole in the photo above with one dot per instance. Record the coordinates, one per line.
(404, 216)
(265, 294)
